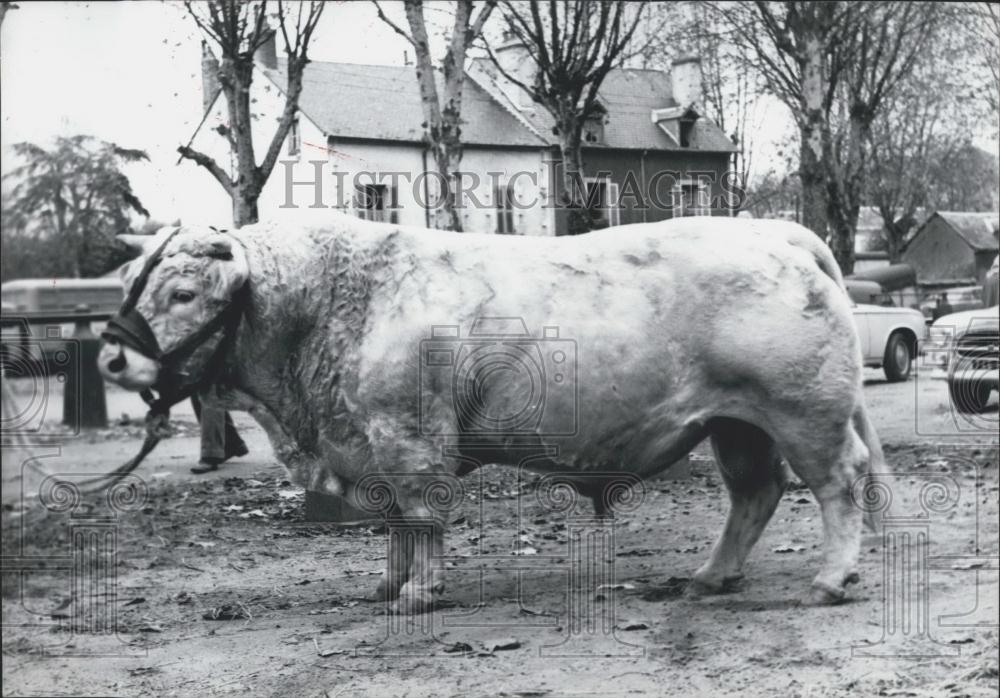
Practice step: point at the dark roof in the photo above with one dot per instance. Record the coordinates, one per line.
(383, 102)
(977, 229)
(630, 96)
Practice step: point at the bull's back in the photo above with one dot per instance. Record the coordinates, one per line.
(661, 318)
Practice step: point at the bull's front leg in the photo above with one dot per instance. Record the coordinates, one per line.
(418, 494)
(418, 533)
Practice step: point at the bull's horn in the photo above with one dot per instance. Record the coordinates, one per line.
(220, 246)
(135, 243)
(146, 243)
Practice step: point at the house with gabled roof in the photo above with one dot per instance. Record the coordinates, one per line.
(357, 146)
(954, 248)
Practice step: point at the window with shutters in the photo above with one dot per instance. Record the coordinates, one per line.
(503, 198)
(602, 201)
(376, 202)
(691, 198)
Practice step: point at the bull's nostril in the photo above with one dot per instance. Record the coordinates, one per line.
(117, 364)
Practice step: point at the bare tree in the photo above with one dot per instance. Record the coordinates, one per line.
(4, 6)
(237, 29)
(574, 45)
(443, 111)
(923, 128)
(984, 19)
(833, 64)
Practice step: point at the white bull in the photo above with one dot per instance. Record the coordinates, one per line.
(667, 333)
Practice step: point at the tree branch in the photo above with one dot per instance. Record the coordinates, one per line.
(209, 164)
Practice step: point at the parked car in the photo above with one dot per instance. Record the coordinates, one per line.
(967, 344)
(889, 338)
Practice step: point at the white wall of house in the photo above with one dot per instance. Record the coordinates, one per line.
(290, 193)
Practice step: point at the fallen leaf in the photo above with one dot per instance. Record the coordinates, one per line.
(788, 549)
(458, 647)
(968, 565)
(143, 671)
(616, 587)
(228, 612)
(505, 643)
(633, 625)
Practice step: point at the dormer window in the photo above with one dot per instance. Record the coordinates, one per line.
(677, 123)
(593, 127)
(686, 127)
(593, 131)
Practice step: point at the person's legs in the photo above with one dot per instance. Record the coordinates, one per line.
(219, 438)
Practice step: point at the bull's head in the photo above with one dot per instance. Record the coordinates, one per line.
(178, 289)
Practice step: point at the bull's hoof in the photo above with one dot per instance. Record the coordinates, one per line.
(821, 594)
(413, 599)
(386, 591)
(706, 586)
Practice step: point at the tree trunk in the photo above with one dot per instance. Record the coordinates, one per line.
(894, 242)
(244, 208)
(814, 213)
(574, 193)
(237, 77)
(446, 161)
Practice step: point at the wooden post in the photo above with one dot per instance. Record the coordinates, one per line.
(84, 401)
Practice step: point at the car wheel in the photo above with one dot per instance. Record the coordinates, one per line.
(968, 397)
(898, 358)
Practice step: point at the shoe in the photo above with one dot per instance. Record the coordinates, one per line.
(206, 465)
(238, 452)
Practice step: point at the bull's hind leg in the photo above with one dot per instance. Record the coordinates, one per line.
(829, 457)
(751, 468)
(399, 557)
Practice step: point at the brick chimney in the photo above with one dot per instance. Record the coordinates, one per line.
(685, 80)
(209, 77)
(266, 55)
(513, 57)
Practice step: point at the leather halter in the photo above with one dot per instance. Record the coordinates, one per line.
(130, 328)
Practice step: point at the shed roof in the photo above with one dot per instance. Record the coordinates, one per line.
(977, 229)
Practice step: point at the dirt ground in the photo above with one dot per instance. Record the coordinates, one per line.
(217, 586)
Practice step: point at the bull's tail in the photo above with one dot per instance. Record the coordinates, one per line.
(875, 492)
(807, 240)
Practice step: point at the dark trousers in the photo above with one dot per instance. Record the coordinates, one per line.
(219, 438)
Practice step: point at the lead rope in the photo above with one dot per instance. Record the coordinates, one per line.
(157, 429)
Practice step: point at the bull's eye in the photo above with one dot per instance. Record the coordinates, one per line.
(182, 297)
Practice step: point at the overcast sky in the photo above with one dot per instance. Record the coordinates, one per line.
(129, 72)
